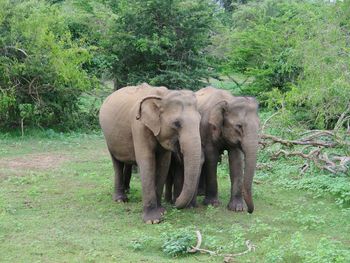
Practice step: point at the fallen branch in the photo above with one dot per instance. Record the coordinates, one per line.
(227, 257)
(199, 243)
(261, 166)
(304, 168)
(322, 161)
(319, 139)
(18, 50)
(250, 247)
(295, 142)
(343, 118)
(266, 121)
(310, 155)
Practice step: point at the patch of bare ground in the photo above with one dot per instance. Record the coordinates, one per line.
(19, 165)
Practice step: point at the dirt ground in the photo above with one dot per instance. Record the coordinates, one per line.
(42, 161)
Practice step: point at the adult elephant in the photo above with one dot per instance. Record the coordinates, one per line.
(228, 123)
(143, 125)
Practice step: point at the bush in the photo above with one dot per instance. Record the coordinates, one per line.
(294, 54)
(41, 67)
(178, 242)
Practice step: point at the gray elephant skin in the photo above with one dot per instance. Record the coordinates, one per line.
(143, 125)
(228, 123)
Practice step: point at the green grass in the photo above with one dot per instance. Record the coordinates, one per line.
(65, 213)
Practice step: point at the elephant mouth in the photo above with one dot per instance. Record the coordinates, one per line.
(233, 142)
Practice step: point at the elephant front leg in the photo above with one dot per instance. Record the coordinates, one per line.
(152, 213)
(236, 175)
(211, 183)
(163, 163)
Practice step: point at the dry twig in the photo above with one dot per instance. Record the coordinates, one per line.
(266, 121)
(295, 142)
(228, 257)
(343, 118)
(333, 164)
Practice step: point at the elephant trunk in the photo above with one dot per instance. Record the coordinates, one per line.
(190, 144)
(249, 146)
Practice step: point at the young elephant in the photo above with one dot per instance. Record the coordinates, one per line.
(143, 125)
(228, 123)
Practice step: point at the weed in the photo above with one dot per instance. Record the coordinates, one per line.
(178, 242)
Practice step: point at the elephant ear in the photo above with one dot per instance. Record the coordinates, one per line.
(149, 113)
(216, 118)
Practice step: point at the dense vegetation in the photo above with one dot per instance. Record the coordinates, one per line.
(60, 58)
(56, 56)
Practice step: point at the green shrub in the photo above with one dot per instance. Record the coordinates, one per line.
(178, 242)
(295, 56)
(41, 67)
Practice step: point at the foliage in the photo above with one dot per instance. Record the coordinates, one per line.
(262, 44)
(89, 23)
(178, 241)
(296, 251)
(162, 42)
(295, 55)
(317, 181)
(41, 66)
(338, 187)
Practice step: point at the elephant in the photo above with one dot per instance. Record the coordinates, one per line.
(228, 123)
(143, 125)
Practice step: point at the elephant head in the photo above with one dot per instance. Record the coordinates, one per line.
(174, 120)
(236, 123)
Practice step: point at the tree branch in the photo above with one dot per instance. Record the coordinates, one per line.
(227, 257)
(291, 142)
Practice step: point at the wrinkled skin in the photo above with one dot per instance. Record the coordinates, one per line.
(228, 123)
(142, 125)
(175, 179)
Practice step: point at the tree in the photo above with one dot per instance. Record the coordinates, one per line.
(294, 54)
(41, 66)
(162, 42)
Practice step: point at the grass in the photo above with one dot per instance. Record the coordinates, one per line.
(65, 213)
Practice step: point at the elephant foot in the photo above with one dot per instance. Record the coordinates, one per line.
(211, 201)
(236, 205)
(120, 198)
(192, 204)
(153, 215)
(162, 210)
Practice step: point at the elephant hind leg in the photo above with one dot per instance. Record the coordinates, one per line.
(211, 184)
(127, 177)
(119, 194)
(168, 195)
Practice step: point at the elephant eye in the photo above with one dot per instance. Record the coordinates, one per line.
(239, 128)
(177, 124)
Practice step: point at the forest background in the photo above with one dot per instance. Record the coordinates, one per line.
(58, 59)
